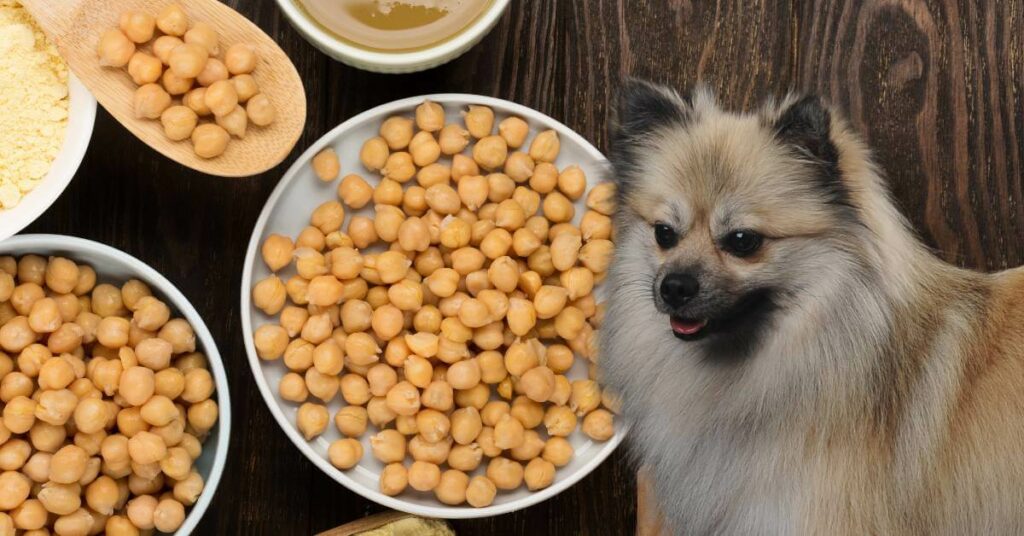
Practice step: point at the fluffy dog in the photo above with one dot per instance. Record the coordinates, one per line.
(791, 358)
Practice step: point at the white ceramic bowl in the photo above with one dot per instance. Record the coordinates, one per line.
(81, 115)
(287, 212)
(114, 266)
(392, 62)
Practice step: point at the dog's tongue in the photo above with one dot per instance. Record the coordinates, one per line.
(687, 327)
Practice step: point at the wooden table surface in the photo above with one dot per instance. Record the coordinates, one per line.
(937, 86)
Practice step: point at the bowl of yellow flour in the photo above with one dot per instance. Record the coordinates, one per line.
(46, 120)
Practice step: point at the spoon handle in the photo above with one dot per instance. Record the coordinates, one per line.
(55, 18)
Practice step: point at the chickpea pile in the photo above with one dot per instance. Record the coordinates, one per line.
(183, 77)
(449, 319)
(106, 403)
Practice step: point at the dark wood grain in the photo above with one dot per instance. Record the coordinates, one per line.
(936, 86)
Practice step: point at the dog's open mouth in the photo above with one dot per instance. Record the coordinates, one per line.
(686, 328)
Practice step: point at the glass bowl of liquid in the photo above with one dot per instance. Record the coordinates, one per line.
(393, 36)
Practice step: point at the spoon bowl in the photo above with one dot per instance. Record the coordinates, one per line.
(75, 27)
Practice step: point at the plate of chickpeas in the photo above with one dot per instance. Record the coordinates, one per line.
(116, 413)
(421, 300)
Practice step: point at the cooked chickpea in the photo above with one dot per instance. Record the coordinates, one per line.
(198, 385)
(240, 58)
(168, 515)
(354, 191)
(221, 97)
(599, 425)
(452, 486)
(259, 109)
(213, 71)
(277, 251)
(270, 341)
(247, 88)
(137, 26)
(514, 130)
(293, 388)
(235, 122)
(490, 152)
(505, 473)
(204, 35)
(326, 165)
(538, 383)
(424, 149)
(311, 420)
(539, 474)
(545, 146)
(530, 449)
(162, 48)
(355, 390)
(144, 69)
(188, 60)
(464, 374)
(578, 282)
(480, 491)
(466, 425)
(569, 323)
(508, 433)
(465, 457)
(209, 140)
(115, 49)
(178, 122)
(174, 84)
(150, 101)
(172, 20)
(374, 153)
(404, 398)
(413, 235)
(558, 208)
(345, 453)
(496, 243)
(388, 446)
(19, 414)
(479, 121)
(393, 479)
(519, 166)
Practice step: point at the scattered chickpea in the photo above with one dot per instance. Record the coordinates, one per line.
(326, 165)
(259, 109)
(172, 20)
(144, 69)
(179, 122)
(204, 35)
(240, 58)
(213, 71)
(115, 49)
(150, 101)
(539, 474)
(345, 453)
(209, 140)
(245, 86)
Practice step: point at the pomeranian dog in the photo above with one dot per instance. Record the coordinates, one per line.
(791, 358)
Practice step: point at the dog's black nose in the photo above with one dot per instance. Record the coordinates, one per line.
(677, 289)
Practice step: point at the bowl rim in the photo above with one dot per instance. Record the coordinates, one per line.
(255, 363)
(25, 244)
(81, 117)
(394, 60)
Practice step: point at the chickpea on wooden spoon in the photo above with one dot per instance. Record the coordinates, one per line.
(184, 77)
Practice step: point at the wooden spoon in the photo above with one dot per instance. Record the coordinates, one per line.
(75, 26)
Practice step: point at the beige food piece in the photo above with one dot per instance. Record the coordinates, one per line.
(33, 103)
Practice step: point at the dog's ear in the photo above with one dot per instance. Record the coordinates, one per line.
(643, 107)
(806, 125)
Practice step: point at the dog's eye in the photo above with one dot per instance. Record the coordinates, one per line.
(665, 236)
(742, 243)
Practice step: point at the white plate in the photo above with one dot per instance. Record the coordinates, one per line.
(81, 116)
(114, 266)
(287, 212)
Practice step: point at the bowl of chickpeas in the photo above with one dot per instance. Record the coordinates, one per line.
(421, 299)
(116, 411)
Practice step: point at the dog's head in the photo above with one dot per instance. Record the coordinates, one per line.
(730, 218)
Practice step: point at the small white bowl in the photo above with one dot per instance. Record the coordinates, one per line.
(116, 266)
(81, 116)
(392, 62)
(287, 212)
